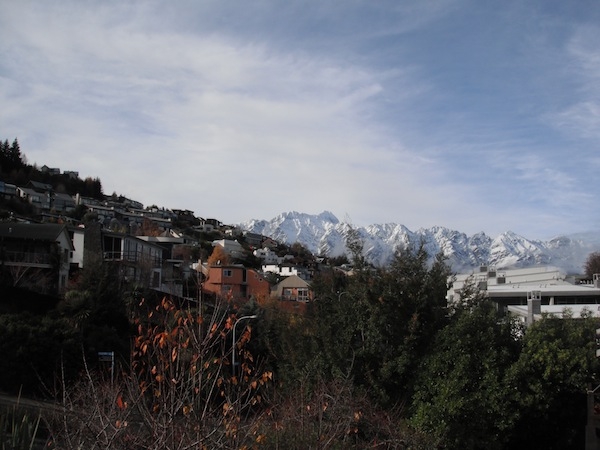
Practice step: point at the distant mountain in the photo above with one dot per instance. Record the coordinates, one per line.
(324, 234)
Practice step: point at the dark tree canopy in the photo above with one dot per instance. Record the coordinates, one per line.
(10, 156)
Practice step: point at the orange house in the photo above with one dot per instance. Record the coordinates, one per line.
(235, 282)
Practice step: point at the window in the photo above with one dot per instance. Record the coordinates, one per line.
(227, 272)
(302, 295)
(287, 294)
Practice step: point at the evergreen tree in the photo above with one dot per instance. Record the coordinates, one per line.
(551, 378)
(462, 395)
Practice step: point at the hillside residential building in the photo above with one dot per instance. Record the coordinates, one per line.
(292, 289)
(138, 261)
(62, 202)
(231, 247)
(39, 200)
(7, 190)
(175, 266)
(253, 239)
(293, 294)
(36, 256)
(267, 256)
(234, 282)
(141, 261)
(50, 170)
(286, 270)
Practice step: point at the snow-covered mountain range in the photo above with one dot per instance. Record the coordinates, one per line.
(324, 234)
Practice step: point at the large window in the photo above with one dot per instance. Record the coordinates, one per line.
(303, 295)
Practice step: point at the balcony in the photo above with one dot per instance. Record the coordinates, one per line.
(31, 259)
(133, 257)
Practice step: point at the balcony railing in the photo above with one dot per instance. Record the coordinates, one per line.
(27, 258)
(133, 257)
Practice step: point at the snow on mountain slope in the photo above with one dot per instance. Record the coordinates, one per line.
(324, 234)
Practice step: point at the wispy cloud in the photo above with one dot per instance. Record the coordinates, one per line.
(382, 111)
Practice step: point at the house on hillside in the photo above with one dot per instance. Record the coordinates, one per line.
(268, 242)
(267, 256)
(286, 270)
(231, 247)
(234, 282)
(35, 256)
(254, 240)
(292, 289)
(137, 260)
(293, 294)
(39, 200)
(50, 170)
(176, 266)
(63, 202)
(7, 190)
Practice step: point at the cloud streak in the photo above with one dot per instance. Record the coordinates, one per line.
(379, 111)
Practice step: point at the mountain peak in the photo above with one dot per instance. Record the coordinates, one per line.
(324, 234)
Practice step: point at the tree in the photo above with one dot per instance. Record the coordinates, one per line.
(218, 257)
(551, 378)
(179, 391)
(462, 395)
(10, 157)
(592, 264)
(377, 329)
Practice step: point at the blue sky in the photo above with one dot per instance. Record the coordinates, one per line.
(474, 115)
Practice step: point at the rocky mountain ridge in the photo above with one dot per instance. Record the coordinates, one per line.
(324, 234)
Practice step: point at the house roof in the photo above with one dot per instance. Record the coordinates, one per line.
(293, 281)
(29, 191)
(40, 186)
(32, 231)
(62, 196)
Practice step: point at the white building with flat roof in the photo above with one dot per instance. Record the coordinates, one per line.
(512, 289)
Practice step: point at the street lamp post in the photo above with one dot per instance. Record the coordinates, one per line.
(233, 343)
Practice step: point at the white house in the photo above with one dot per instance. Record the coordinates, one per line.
(267, 256)
(231, 247)
(285, 270)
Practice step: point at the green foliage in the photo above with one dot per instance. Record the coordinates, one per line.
(462, 396)
(551, 377)
(377, 329)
